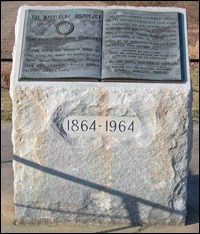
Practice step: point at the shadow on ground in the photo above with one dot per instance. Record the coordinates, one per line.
(192, 199)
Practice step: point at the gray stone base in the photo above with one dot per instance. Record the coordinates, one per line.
(138, 179)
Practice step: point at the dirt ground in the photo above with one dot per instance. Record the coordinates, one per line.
(10, 8)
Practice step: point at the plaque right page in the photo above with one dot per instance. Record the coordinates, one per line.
(141, 45)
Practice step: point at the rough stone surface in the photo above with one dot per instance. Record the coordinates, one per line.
(139, 179)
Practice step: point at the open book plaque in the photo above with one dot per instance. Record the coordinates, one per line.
(112, 44)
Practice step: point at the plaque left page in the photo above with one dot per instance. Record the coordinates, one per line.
(61, 44)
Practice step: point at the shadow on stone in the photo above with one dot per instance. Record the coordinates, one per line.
(130, 202)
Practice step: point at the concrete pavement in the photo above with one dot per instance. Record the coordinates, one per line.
(7, 204)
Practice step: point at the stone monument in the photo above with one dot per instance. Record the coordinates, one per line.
(102, 125)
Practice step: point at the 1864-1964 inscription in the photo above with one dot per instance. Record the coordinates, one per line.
(109, 45)
(101, 126)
